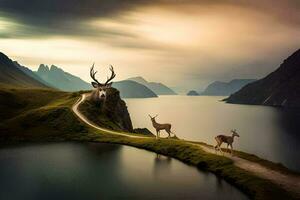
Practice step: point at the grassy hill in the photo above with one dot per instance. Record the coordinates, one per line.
(37, 114)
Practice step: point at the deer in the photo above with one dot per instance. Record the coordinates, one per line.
(99, 93)
(226, 139)
(158, 127)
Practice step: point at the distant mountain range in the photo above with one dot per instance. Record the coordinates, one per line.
(279, 88)
(61, 79)
(157, 88)
(13, 74)
(219, 88)
(16, 75)
(68, 82)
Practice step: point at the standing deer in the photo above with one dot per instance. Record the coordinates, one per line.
(99, 94)
(158, 127)
(226, 139)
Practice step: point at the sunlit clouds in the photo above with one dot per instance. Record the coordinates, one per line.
(183, 45)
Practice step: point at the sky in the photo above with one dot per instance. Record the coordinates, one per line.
(185, 44)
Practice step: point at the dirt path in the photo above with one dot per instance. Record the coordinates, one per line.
(85, 120)
(288, 182)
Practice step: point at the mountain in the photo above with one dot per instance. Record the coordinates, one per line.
(219, 88)
(68, 82)
(31, 73)
(192, 93)
(132, 89)
(157, 88)
(279, 88)
(61, 79)
(12, 74)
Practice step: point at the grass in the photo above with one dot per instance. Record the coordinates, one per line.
(46, 115)
(253, 158)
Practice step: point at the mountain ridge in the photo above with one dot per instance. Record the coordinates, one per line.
(280, 88)
(220, 88)
(67, 82)
(13, 74)
(157, 88)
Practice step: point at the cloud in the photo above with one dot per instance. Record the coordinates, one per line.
(71, 17)
(198, 41)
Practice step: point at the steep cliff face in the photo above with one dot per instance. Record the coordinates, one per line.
(111, 113)
(280, 88)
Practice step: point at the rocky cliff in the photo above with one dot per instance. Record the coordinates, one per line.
(111, 113)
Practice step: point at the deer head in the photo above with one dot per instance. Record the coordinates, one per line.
(234, 133)
(153, 118)
(101, 88)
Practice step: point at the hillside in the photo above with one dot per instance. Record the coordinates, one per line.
(45, 115)
(12, 75)
(157, 88)
(279, 88)
(219, 88)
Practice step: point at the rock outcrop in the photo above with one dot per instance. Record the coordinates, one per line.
(111, 113)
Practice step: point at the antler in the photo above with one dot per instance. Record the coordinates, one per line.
(113, 75)
(93, 73)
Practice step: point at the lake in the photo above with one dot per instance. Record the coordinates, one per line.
(102, 171)
(268, 132)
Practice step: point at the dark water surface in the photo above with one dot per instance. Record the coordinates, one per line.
(102, 171)
(268, 132)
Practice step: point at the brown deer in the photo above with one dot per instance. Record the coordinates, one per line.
(158, 127)
(226, 139)
(99, 94)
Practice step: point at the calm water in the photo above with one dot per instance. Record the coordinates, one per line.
(102, 171)
(265, 131)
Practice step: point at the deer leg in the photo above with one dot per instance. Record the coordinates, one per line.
(217, 146)
(169, 133)
(220, 148)
(157, 134)
(231, 149)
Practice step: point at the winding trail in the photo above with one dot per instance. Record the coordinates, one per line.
(286, 181)
(88, 122)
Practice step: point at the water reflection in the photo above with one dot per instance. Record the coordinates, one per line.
(162, 164)
(102, 171)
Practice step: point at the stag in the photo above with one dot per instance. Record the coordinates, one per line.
(158, 127)
(226, 139)
(99, 94)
